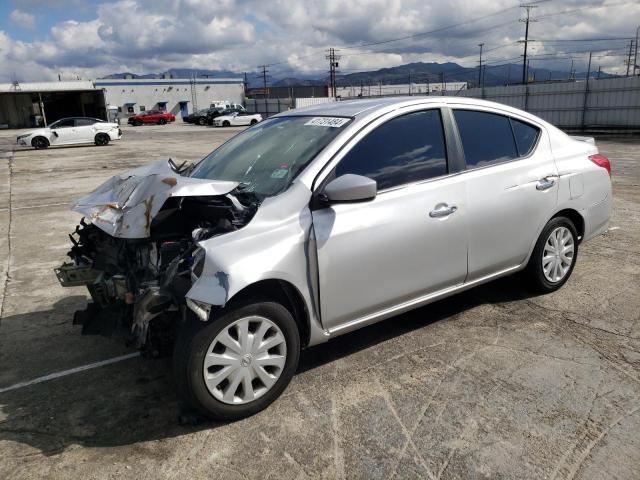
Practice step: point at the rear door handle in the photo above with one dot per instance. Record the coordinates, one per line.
(545, 183)
(442, 210)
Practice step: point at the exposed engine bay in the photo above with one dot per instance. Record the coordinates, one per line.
(138, 285)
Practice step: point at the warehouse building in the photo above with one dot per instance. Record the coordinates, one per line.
(179, 96)
(33, 104)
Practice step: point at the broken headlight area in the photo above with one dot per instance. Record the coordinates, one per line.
(138, 286)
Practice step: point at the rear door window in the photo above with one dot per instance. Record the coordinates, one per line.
(84, 122)
(486, 137)
(403, 150)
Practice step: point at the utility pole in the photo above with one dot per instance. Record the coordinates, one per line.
(571, 76)
(526, 20)
(245, 82)
(333, 65)
(599, 68)
(635, 55)
(265, 71)
(629, 59)
(480, 65)
(409, 83)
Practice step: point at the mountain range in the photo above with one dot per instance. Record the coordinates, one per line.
(418, 72)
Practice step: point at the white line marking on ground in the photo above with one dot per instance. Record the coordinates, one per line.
(71, 371)
(614, 228)
(35, 206)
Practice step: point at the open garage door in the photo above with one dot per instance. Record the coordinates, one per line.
(59, 105)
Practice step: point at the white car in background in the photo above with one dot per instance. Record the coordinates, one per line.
(236, 119)
(72, 131)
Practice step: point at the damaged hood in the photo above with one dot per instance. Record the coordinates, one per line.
(125, 205)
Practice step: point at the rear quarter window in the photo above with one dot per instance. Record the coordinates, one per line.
(526, 136)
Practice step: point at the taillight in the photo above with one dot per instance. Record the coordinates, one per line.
(601, 161)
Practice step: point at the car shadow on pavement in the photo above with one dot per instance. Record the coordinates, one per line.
(134, 400)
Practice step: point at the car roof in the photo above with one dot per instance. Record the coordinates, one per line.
(78, 118)
(361, 107)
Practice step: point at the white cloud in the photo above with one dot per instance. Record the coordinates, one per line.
(23, 19)
(153, 35)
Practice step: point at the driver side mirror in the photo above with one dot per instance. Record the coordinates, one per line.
(351, 188)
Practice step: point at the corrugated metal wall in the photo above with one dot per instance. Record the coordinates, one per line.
(612, 103)
(267, 106)
(307, 102)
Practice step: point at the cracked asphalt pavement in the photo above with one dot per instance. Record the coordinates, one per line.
(492, 383)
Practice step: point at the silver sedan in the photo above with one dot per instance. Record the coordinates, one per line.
(320, 221)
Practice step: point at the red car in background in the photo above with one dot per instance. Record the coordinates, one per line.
(159, 117)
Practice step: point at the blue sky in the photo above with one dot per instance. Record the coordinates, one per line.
(41, 39)
(46, 13)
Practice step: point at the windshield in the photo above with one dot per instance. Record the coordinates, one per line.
(266, 158)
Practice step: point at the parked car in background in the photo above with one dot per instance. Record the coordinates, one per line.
(72, 131)
(237, 119)
(159, 117)
(224, 111)
(322, 220)
(200, 117)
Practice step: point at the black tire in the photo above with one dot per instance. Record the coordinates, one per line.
(39, 143)
(162, 121)
(102, 139)
(202, 121)
(137, 123)
(534, 272)
(194, 340)
(226, 123)
(253, 122)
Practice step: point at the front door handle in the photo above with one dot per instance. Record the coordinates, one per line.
(545, 183)
(442, 210)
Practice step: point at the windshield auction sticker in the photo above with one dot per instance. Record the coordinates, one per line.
(334, 122)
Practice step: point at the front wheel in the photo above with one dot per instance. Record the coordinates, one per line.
(554, 255)
(226, 124)
(237, 364)
(39, 143)
(162, 121)
(202, 121)
(101, 139)
(253, 122)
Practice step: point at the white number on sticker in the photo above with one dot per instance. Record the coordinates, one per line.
(334, 122)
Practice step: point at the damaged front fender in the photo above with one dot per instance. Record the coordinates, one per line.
(275, 245)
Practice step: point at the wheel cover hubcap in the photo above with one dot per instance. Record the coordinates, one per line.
(245, 360)
(558, 254)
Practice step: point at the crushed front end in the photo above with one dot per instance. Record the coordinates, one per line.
(138, 254)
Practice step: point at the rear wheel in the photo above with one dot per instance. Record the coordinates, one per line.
(137, 123)
(236, 365)
(101, 139)
(202, 121)
(39, 143)
(554, 255)
(253, 122)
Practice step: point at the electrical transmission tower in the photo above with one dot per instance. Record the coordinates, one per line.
(526, 20)
(333, 67)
